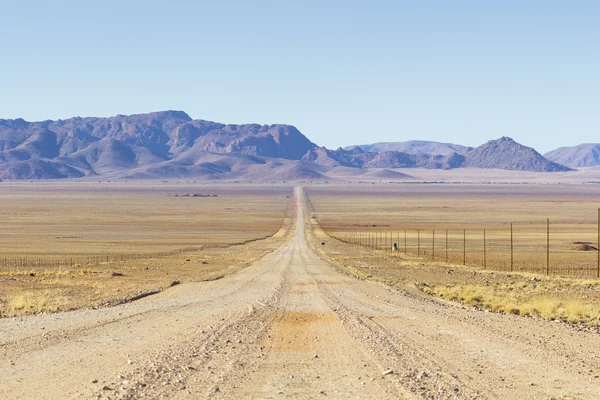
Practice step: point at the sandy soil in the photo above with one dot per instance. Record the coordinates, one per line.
(92, 244)
(417, 214)
(292, 326)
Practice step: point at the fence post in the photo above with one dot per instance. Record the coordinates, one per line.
(390, 242)
(548, 246)
(433, 246)
(484, 251)
(418, 243)
(598, 236)
(465, 247)
(511, 248)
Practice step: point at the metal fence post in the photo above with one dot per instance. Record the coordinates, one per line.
(465, 247)
(484, 251)
(548, 246)
(511, 248)
(433, 246)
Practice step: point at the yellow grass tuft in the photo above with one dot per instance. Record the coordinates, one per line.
(497, 299)
(33, 302)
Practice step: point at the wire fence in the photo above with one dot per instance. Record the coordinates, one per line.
(24, 262)
(544, 248)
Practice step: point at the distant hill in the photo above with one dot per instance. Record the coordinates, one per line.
(584, 155)
(412, 147)
(170, 144)
(38, 169)
(154, 145)
(505, 153)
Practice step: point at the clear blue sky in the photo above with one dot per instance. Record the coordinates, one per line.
(343, 72)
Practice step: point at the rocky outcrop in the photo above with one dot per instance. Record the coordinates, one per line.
(505, 153)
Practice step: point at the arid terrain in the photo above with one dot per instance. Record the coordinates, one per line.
(408, 214)
(301, 314)
(548, 273)
(71, 245)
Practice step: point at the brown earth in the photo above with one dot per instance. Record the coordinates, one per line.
(72, 245)
(292, 326)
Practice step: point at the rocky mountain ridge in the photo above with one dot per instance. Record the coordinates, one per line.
(412, 147)
(170, 144)
(503, 153)
(583, 155)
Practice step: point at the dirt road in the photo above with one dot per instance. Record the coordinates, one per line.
(291, 326)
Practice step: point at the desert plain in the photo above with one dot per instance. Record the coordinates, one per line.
(292, 290)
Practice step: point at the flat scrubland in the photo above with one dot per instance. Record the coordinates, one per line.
(393, 212)
(73, 245)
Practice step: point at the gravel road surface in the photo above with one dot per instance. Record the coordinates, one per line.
(292, 326)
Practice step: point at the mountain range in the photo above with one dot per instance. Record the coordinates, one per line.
(583, 155)
(170, 144)
(412, 147)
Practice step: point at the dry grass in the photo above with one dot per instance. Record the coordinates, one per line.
(571, 299)
(60, 221)
(409, 213)
(37, 302)
(57, 221)
(523, 302)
